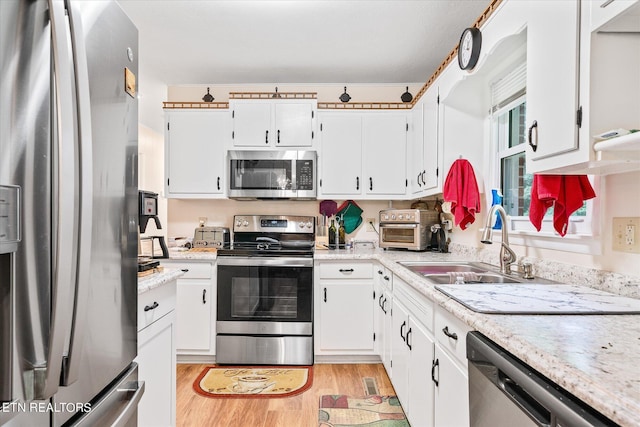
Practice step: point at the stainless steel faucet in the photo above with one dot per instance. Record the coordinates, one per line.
(507, 256)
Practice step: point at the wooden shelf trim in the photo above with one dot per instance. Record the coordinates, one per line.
(273, 95)
(195, 105)
(364, 106)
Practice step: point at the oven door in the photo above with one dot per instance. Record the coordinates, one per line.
(265, 295)
(402, 236)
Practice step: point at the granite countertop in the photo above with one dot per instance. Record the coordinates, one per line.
(594, 357)
(192, 254)
(152, 281)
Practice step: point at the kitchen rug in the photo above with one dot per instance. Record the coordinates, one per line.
(253, 381)
(372, 411)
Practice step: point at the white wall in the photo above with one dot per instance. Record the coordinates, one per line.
(151, 177)
(184, 213)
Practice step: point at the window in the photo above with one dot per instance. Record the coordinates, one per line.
(508, 130)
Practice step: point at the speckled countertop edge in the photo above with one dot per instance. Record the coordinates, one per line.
(147, 283)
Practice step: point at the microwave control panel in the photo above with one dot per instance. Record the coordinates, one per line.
(304, 174)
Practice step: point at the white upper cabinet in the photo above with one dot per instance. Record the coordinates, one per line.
(195, 148)
(340, 155)
(384, 154)
(282, 123)
(423, 145)
(553, 109)
(615, 15)
(592, 80)
(363, 155)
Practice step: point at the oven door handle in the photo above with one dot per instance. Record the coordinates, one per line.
(405, 225)
(264, 261)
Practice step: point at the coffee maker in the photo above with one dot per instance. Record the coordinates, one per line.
(148, 209)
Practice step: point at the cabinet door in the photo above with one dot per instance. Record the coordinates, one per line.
(431, 116)
(384, 159)
(552, 76)
(451, 393)
(341, 154)
(416, 150)
(193, 319)
(157, 366)
(400, 353)
(196, 143)
(346, 316)
(420, 384)
(293, 125)
(252, 124)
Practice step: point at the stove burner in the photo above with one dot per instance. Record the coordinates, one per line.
(257, 235)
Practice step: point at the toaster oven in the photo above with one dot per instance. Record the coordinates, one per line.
(406, 228)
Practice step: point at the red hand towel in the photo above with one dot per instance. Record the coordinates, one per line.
(566, 193)
(461, 189)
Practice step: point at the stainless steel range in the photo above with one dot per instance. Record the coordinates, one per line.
(265, 292)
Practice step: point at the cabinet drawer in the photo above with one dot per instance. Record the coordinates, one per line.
(154, 304)
(195, 270)
(346, 270)
(451, 333)
(420, 307)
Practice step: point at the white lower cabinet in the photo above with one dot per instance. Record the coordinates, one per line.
(451, 391)
(195, 308)
(412, 352)
(343, 310)
(157, 356)
(450, 373)
(382, 301)
(194, 315)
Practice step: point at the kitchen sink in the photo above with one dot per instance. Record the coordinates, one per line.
(442, 268)
(443, 279)
(443, 273)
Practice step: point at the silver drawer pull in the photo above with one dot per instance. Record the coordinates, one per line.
(450, 334)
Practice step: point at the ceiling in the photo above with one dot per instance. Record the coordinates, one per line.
(186, 42)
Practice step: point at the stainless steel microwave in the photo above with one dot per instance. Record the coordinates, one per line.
(272, 174)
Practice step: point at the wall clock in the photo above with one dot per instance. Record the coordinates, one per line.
(469, 48)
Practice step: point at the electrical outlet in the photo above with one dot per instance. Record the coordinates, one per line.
(370, 224)
(625, 235)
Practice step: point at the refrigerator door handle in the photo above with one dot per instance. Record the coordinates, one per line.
(132, 407)
(83, 104)
(47, 376)
(117, 405)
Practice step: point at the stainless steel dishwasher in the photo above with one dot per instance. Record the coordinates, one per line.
(505, 392)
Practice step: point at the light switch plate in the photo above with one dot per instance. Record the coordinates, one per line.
(626, 234)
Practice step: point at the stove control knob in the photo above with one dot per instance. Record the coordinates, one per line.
(400, 216)
(238, 223)
(301, 224)
(393, 216)
(386, 216)
(309, 224)
(408, 217)
(245, 223)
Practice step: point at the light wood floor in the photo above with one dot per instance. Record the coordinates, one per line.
(295, 411)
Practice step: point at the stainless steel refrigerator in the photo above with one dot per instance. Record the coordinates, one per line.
(68, 214)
